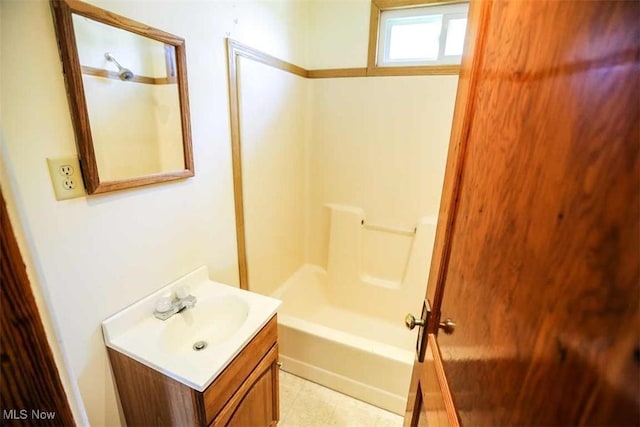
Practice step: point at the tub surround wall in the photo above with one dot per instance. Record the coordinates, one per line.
(274, 126)
(379, 144)
(376, 143)
(401, 262)
(93, 256)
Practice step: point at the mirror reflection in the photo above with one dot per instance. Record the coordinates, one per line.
(132, 99)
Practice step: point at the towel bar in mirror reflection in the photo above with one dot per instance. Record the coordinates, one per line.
(127, 89)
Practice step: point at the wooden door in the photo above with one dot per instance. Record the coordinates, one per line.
(31, 392)
(537, 250)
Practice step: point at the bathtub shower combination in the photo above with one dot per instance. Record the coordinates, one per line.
(343, 327)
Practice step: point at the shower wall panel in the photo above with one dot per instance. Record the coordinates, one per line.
(379, 144)
(273, 127)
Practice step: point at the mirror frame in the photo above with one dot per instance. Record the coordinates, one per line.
(62, 11)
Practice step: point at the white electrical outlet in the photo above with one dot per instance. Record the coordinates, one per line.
(66, 177)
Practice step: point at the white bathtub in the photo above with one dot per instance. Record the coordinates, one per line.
(364, 356)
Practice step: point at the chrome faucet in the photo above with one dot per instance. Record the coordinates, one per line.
(167, 307)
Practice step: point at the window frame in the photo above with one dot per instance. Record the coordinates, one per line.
(373, 69)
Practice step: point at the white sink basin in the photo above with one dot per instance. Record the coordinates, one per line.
(224, 318)
(212, 321)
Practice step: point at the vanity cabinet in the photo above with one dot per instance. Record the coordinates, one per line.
(244, 394)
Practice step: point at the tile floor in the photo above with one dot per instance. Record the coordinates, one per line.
(306, 404)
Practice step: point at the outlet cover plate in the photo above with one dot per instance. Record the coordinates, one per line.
(66, 177)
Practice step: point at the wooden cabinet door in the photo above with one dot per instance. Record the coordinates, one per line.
(256, 403)
(537, 250)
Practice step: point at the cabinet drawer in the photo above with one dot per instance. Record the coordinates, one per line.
(217, 395)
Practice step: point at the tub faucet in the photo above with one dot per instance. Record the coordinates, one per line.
(167, 307)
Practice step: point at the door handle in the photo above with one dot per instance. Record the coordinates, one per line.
(448, 326)
(411, 322)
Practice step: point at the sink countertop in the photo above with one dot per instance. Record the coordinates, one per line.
(166, 345)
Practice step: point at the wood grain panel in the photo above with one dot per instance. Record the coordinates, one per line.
(462, 119)
(109, 18)
(236, 159)
(424, 374)
(427, 70)
(65, 35)
(433, 405)
(543, 273)
(396, 4)
(255, 408)
(150, 398)
(156, 178)
(374, 25)
(330, 73)
(236, 48)
(256, 401)
(30, 380)
(224, 387)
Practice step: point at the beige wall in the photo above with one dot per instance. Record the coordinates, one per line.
(338, 33)
(95, 255)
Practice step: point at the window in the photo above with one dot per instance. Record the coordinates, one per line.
(418, 36)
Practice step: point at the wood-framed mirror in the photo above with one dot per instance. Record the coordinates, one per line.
(127, 90)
